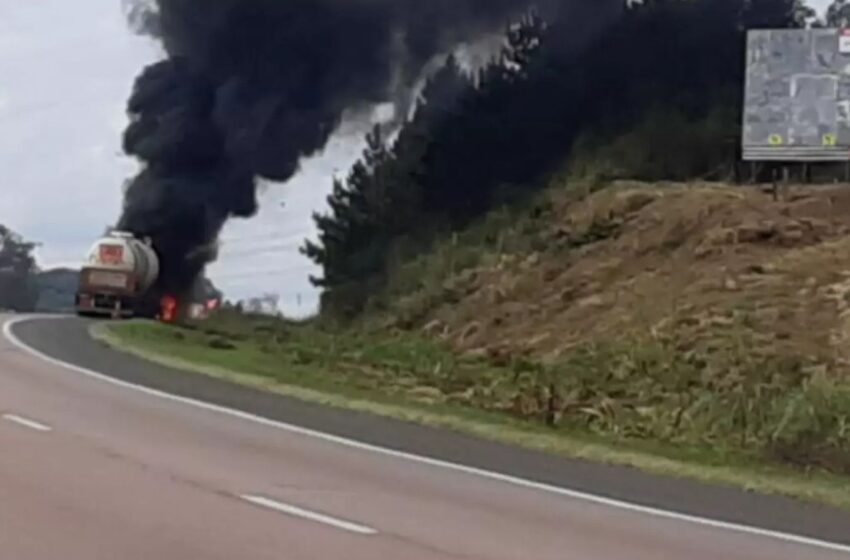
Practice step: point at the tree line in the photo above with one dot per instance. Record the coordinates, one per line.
(18, 291)
(657, 95)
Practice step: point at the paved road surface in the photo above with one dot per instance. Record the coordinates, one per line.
(90, 470)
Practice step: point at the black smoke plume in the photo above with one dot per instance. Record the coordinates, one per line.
(250, 87)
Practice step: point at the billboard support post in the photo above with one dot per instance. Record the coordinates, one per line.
(774, 173)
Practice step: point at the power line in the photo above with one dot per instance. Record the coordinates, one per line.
(270, 236)
(16, 111)
(255, 251)
(266, 272)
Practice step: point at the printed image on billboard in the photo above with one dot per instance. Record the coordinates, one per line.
(797, 99)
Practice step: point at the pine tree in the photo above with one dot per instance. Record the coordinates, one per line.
(525, 39)
(365, 215)
(776, 14)
(838, 14)
(519, 117)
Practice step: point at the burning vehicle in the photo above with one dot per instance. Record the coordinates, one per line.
(119, 271)
(119, 280)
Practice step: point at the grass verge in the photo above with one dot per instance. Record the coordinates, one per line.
(395, 377)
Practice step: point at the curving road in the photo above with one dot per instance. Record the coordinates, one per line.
(97, 469)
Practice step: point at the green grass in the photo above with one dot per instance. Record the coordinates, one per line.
(405, 377)
(666, 145)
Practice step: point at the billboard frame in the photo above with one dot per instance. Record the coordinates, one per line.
(796, 105)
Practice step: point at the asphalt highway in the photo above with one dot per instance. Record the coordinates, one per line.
(92, 469)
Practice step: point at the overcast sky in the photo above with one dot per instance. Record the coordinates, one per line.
(66, 69)
(819, 5)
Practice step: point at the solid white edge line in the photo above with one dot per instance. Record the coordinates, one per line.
(296, 511)
(508, 479)
(27, 423)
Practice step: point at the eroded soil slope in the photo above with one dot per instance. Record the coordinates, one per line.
(696, 262)
(696, 313)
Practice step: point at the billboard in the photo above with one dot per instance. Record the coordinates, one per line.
(797, 99)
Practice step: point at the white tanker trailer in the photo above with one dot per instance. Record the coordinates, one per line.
(117, 274)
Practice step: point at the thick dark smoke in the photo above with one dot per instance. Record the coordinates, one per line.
(250, 87)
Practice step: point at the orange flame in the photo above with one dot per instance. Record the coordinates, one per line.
(168, 307)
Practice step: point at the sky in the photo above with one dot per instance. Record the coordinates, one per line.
(819, 5)
(66, 70)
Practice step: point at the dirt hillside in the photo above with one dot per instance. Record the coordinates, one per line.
(698, 314)
(704, 265)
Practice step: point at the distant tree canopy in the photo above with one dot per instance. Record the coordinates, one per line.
(838, 14)
(655, 96)
(18, 291)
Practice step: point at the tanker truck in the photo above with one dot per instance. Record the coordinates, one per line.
(119, 270)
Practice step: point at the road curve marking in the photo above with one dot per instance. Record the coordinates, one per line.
(309, 515)
(411, 457)
(26, 423)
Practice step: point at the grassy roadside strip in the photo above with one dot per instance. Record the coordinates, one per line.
(308, 382)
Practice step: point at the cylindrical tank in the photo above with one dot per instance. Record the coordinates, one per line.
(123, 252)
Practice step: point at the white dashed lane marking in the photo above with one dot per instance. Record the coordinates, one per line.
(26, 423)
(310, 515)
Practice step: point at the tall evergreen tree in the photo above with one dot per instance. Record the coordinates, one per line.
(777, 13)
(519, 117)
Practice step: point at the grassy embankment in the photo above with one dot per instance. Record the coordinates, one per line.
(691, 331)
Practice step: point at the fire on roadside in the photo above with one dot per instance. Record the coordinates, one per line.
(168, 309)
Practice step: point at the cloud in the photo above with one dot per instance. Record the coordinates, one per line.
(820, 5)
(59, 119)
(61, 170)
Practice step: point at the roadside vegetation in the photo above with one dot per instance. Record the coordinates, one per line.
(605, 99)
(695, 330)
(690, 314)
(554, 257)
